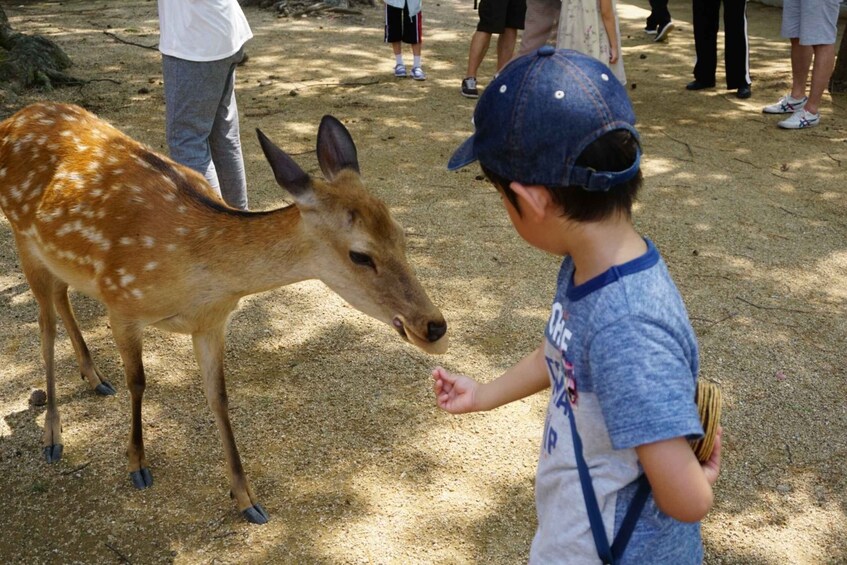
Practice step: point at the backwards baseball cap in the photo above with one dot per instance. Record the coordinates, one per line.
(535, 119)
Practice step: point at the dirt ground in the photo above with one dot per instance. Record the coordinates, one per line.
(334, 415)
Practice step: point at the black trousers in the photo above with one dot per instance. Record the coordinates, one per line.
(659, 13)
(736, 48)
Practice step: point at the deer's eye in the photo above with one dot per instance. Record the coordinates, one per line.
(362, 259)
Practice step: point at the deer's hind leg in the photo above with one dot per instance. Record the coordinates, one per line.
(87, 368)
(42, 282)
(209, 350)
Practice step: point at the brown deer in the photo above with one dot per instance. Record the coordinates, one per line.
(92, 209)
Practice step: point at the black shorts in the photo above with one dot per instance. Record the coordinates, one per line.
(497, 15)
(400, 27)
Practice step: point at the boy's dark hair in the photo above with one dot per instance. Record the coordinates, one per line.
(613, 151)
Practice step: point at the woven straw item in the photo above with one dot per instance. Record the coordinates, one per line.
(708, 400)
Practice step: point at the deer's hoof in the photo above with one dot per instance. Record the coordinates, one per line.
(105, 388)
(52, 453)
(142, 478)
(256, 514)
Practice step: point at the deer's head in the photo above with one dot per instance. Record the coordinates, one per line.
(359, 249)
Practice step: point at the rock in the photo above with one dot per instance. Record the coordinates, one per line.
(38, 398)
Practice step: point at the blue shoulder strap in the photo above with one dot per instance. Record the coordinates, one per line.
(609, 555)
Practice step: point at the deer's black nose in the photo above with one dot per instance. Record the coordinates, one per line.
(436, 330)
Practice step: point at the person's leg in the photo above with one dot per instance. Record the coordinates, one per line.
(706, 17)
(225, 144)
(736, 46)
(506, 46)
(476, 53)
(821, 73)
(801, 62)
(515, 19)
(659, 14)
(819, 32)
(393, 36)
(190, 112)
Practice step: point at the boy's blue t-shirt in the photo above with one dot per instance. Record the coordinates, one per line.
(622, 355)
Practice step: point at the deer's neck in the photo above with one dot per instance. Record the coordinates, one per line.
(257, 252)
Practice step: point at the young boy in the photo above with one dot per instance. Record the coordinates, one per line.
(554, 133)
(404, 24)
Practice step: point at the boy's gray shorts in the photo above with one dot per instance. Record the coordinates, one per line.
(814, 22)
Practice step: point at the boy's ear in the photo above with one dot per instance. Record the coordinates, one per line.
(534, 198)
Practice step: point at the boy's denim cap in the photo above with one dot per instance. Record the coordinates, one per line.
(535, 119)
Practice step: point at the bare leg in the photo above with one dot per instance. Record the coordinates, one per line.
(209, 350)
(821, 73)
(127, 334)
(396, 47)
(479, 47)
(801, 60)
(87, 368)
(506, 47)
(416, 49)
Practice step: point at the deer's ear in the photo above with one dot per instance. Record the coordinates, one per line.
(336, 150)
(287, 172)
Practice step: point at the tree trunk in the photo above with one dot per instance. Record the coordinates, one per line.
(31, 61)
(838, 82)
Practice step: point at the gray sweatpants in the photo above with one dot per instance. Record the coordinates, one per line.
(201, 122)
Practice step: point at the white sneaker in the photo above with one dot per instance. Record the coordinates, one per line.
(801, 119)
(399, 70)
(418, 74)
(785, 105)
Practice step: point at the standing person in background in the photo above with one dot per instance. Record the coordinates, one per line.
(812, 27)
(201, 44)
(659, 21)
(736, 48)
(404, 24)
(503, 17)
(591, 27)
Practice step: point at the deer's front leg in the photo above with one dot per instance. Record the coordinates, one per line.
(128, 336)
(209, 349)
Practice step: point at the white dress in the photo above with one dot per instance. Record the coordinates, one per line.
(581, 29)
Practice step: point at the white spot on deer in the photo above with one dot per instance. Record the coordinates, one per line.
(126, 241)
(46, 122)
(50, 216)
(93, 166)
(151, 265)
(96, 193)
(112, 160)
(79, 146)
(17, 193)
(169, 196)
(148, 241)
(2, 172)
(12, 216)
(137, 293)
(171, 247)
(69, 255)
(66, 132)
(182, 209)
(69, 228)
(3, 201)
(25, 208)
(182, 231)
(126, 279)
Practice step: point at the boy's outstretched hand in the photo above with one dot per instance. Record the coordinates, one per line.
(454, 393)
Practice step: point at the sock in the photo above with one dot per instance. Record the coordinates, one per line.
(417, 61)
(398, 59)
